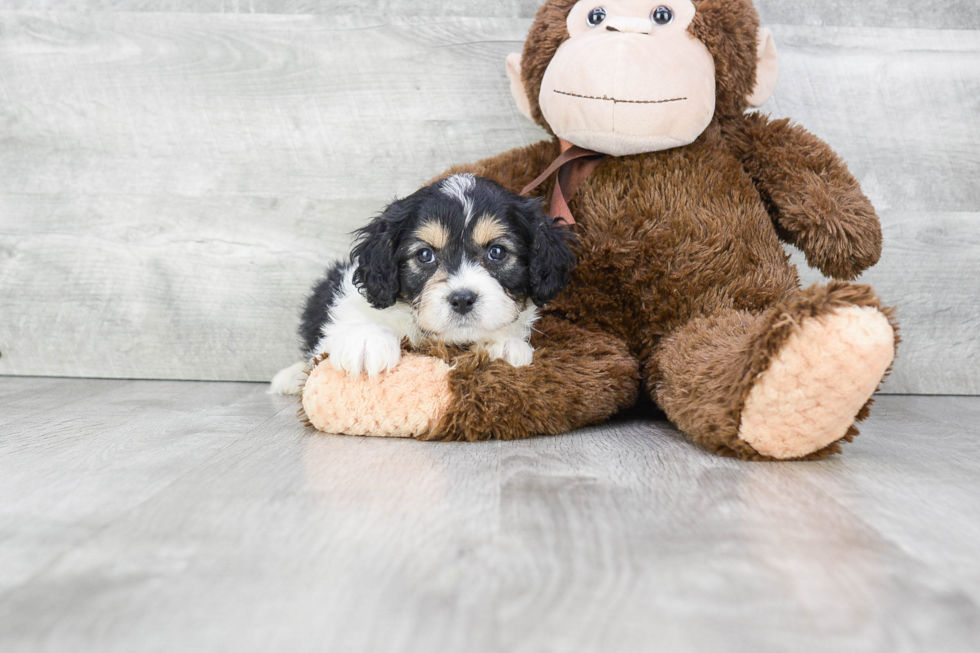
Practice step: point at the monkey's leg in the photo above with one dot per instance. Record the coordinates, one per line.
(578, 377)
(785, 384)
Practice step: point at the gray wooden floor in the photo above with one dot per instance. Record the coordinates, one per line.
(164, 516)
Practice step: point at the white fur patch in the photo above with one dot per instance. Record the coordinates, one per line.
(516, 351)
(494, 309)
(371, 348)
(359, 337)
(290, 380)
(458, 186)
(511, 343)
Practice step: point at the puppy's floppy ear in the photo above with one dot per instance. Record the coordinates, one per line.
(376, 274)
(551, 259)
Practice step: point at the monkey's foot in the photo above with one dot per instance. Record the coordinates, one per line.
(818, 382)
(406, 402)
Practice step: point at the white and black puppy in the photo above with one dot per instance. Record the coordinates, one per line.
(462, 261)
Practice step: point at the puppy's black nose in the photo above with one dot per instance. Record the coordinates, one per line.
(462, 301)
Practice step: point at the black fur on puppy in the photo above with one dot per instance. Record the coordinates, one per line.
(462, 261)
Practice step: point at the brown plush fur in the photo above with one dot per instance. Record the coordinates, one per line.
(833, 223)
(682, 285)
(580, 376)
(683, 289)
(705, 371)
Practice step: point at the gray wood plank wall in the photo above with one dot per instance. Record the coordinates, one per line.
(172, 182)
(956, 14)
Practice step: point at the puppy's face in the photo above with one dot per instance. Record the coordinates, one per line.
(466, 278)
(468, 255)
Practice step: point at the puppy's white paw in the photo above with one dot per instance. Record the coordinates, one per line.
(290, 380)
(367, 347)
(515, 351)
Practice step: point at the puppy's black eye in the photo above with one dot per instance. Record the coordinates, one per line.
(596, 16)
(497, 253)
(426, 256)
(662, 15)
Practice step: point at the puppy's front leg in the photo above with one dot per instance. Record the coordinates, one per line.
(367, 347)
(290, 380)
(516, 351)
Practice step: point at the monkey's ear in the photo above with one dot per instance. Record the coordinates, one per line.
(766, 71)
(517, 84)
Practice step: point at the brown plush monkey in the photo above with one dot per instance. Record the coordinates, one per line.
(682, 291)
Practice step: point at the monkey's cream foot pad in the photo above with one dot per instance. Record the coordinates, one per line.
(818, 382)
(407, 402)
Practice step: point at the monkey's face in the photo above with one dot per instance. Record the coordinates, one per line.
(631, 78)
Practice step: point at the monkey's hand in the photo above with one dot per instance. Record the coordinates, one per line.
(815, 203)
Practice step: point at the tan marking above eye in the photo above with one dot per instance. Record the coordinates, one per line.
(487, 229)
(434, 234)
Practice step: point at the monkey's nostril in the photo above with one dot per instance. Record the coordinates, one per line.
(462, 301)
(611, 28)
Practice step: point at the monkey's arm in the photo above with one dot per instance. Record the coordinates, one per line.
(513, 169)
(814, 201)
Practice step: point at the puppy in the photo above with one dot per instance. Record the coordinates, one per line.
(462, 261)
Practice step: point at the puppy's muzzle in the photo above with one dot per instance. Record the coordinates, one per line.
(463, 301)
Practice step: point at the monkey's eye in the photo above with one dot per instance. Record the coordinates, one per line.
(596, 16)
(662, 15)
(497, 254)
(425, 256)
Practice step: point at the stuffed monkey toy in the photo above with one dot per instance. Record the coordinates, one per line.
(682, 291)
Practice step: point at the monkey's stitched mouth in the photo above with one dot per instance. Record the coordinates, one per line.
(617, 101)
